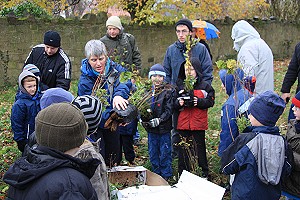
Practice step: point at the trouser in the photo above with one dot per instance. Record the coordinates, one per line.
(175, 135)
(109, 146)
(126, 143)
(159, 147)
(193, 151)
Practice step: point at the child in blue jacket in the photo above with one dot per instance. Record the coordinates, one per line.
(25, 109)
(258, 158)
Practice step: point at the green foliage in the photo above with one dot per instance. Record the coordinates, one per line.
(242, 123)
(24, 9)
(230, 65)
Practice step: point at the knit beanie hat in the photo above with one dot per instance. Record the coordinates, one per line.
(267, 108)
(91, 108)
(114, 21)
(32, 68)
(55, 95)
(52, 38)
(60, 126)
(157, 69)
(296, 100)
(249, 83)
(186, 22)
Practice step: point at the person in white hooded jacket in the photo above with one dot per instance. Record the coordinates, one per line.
(254, 55)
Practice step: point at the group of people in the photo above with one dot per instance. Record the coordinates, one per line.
(62, 137)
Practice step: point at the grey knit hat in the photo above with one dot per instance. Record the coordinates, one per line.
(60, 126)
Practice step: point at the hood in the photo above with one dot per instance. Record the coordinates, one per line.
(241, 32)
(197, 66)
(232, 82)
(23, 75)
(41, 161)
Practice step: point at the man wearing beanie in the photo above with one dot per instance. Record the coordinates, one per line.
(258, 157)
(53, 63)
(49, 171)
(121, 47)
(175, 54)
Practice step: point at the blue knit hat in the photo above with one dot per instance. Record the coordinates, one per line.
(55, 95)
(267, 108)
(32, 68)
(157, 69)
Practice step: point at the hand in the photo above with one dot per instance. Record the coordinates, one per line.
(181, 102)
(195, 101)
(286, 97)
(154, 122)
(120, 103)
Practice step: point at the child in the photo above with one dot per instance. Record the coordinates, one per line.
(192, 119)
(25, 109)
(91, 108)
(257, 158)
(160, 125)
(291, 184)
(237, 96)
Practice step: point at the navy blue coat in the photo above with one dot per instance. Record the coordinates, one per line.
(49, 174)
(88, 78)
(23, 115)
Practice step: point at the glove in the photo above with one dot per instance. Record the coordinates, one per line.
(155, 122)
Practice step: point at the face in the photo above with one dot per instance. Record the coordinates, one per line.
(194, 33)
(191, 71)
(296, 112)
(254, 121)
(157, 79)
(51, 50)
(30, 87)
(98, 63)
(113, 31)
(182, 31)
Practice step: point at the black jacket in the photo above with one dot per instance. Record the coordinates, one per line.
(161, 108)
(55, 70)
(49, 174)
(293, 72)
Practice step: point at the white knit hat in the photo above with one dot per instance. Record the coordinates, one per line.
(114, 21)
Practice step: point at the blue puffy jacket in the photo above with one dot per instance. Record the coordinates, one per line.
(229, 114)
(88, 78)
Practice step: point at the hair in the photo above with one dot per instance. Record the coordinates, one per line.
(28, 79)
(95, 48)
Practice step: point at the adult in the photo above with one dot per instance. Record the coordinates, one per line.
(290, 78)
(254, 55)
(175, 54)
(49, 171)
(98, 64)
(53, 63)
(121, 46)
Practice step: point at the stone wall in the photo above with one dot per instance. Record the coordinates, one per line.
(19, 36)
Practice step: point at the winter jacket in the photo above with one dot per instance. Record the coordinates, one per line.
(229, 113)
(99, 180)
(190, 117)
(174, 58)
(24, 111)
(124, 47)
(162, 108)
(292, 72)
(49, 174)
(254, 55)
(258, 160)
(55, 69)
(291, 184)
(112, 84)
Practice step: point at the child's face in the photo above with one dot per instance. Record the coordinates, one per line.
(191, 71)
(157, 79)
(30, 87)
(254, 121)
(98, 63)
(296, 112)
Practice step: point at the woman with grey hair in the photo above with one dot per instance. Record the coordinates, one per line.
(96, 64)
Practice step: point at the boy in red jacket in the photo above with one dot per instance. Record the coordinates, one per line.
(192, 119)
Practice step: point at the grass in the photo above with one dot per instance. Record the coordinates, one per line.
(9, 151)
